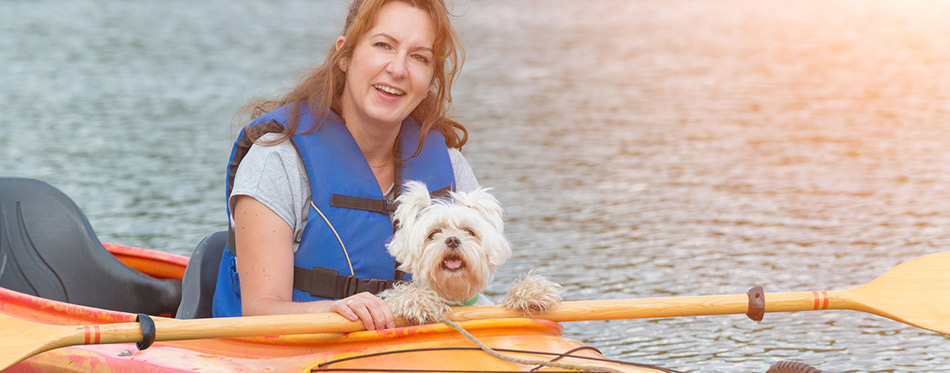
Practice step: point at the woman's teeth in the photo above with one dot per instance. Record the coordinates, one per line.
(390, 90)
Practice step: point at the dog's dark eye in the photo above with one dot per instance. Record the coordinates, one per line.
(470, 232)
(432, 234)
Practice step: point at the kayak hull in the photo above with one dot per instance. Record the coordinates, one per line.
(435, 347)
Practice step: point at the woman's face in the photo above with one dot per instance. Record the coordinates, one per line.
(391, 67)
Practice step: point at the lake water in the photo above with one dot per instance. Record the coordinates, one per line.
(641, 148)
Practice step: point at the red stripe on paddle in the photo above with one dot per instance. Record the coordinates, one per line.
(821, 300)
(92, 334)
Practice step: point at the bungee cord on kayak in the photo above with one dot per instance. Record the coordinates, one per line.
(326, 366)
(556, 364)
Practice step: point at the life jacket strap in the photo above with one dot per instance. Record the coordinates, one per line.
(328, 283)
(359, 203)
(377, 205)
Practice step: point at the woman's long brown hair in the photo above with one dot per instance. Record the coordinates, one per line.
(321, 88)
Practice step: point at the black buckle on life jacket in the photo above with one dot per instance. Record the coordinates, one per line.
(328, 283)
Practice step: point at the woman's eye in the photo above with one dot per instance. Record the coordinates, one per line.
(421, 58)
(383, 45)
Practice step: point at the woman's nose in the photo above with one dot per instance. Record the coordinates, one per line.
(397, 65)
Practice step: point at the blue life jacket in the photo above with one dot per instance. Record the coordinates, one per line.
(338, 236)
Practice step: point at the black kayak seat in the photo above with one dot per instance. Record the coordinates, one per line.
(49, 250)
(201, 277)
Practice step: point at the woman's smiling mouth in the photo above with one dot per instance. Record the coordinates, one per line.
(389, 90)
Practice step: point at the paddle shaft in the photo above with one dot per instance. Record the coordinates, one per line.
(167, 330)
(669, 307)
(567, 311)
(226, 327)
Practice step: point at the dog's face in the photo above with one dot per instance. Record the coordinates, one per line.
(451, 246)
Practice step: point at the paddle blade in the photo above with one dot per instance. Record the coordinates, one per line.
(916, 292)
(21, 339)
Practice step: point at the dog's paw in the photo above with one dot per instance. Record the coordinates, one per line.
(532, 293)
(415, 304)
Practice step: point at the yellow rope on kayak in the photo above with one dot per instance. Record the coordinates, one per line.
(516, 360)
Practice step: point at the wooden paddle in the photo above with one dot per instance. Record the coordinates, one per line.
(916, 292)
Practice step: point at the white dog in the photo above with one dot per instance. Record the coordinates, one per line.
(452, 247)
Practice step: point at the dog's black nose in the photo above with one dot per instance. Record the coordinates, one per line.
(452, 242)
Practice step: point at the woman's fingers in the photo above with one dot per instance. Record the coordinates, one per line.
(342, 307)
(368, 308)
(362, 309)
(382, 314)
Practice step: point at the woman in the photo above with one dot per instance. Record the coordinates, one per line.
(314, 176)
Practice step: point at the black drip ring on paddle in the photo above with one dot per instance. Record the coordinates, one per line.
(148, 331)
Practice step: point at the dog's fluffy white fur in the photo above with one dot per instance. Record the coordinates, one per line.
(452, 247)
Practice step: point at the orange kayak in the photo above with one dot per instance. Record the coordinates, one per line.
(434, 347)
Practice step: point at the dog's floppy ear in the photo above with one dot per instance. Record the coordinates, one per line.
(485, 204)
(413, 200)
(499, 250)
(399, 249)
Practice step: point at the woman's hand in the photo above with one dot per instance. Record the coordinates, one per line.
(368, 308)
